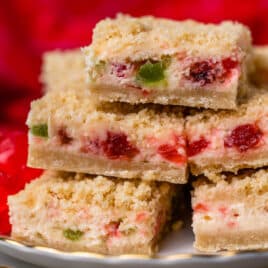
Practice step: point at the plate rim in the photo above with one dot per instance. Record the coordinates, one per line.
(126, 258)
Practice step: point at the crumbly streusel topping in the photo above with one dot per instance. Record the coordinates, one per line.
(249, 108)
(100, 191)
(247, 183)
(126, 37)
(78, 105)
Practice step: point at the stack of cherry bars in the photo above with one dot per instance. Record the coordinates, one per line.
(149, 102)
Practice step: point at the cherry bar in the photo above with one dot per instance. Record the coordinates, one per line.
(69, 132)
(229, 140)
(153, 60)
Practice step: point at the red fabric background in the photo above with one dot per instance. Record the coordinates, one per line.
(30, 27)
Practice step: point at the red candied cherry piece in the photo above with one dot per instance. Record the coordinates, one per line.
(244, 137)
(119, 69)
(144, 92)
(169, 152)
(201, 208)
(223, 210)
(206, 72)
(117, 146)
(231, 224)
(91, 146)
(196, 147)
(141, 216)
(202, 72)
(229, 63)
(112, 229)
(64, 137)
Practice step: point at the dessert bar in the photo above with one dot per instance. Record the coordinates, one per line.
(75, 212)
(153, 60)
(229, 140)
(232, 213)
(69, 132)
(260, 74)
(63, 69)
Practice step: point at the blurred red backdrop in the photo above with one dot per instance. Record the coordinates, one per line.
(30, 27)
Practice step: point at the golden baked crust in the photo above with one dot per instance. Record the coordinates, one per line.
(185, 97)
(48, 157)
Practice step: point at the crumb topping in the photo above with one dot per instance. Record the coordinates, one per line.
(146, 37)
(99, 191)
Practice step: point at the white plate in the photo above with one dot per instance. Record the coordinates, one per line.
(176, 251)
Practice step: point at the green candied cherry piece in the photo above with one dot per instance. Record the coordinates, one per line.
(40, 130)
(151, 72)
(72, 234)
